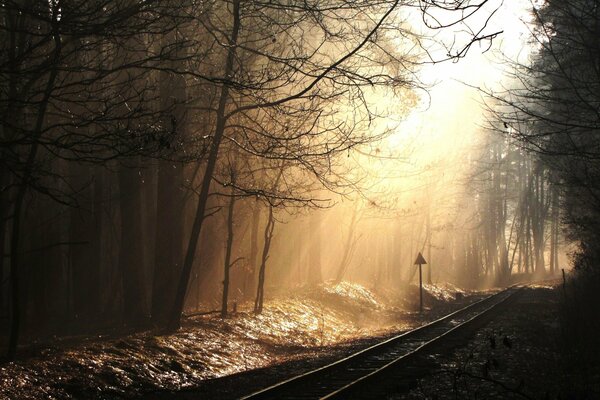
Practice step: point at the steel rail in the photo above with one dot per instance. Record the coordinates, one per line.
(363, 381)
(380, 358)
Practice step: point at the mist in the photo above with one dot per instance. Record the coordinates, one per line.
(255, 181)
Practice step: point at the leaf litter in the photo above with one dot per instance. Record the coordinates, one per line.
(209, 346)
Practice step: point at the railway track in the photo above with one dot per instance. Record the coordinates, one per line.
(390, 365)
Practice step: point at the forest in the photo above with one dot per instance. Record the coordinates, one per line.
(162, 159)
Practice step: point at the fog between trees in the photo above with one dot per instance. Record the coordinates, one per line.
(168, 157)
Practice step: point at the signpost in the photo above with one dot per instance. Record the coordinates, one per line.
(420, 261)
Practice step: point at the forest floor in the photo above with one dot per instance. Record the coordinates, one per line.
(522, 354)
(297, 331)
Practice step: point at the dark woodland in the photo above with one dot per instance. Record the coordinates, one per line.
(169, 166)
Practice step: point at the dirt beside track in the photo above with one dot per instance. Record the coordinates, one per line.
(222, 358)
(516, 356)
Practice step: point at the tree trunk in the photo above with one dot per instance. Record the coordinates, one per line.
(429, 234)
(539, 221)
(314, 258)
(554, 232)
(169, 193)
(228, 249)
(251, 279)
(348, 248)
(268, 235)
(169, 236)
(175, 317)
(131, 254)
(97, 247)
(81, 258)
(3, 226)
(15, 248)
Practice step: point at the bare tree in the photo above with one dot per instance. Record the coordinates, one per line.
(284, 85)
(76, 88)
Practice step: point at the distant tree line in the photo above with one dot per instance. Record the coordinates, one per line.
(512, 222)
(551, 110)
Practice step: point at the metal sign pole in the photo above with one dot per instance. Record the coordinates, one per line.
(420, 290)
(420, 261)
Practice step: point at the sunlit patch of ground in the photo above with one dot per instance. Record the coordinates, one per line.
(544, 285)
(209, 346)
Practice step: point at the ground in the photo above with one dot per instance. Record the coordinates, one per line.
(516, 356)
(296, 332)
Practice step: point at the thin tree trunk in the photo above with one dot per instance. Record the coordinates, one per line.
(528, 211)
(5, 202)
(348, 248)
(3, 226)
(131, 254)
(556, 228)
(556, 219)
(169, 235)
(228, 249)
(175, 317)
(80, 256)
(538, 222)
(23, 185)
(98, 239)
(268, 235)
(429, 234)
(314, 251)
(169, 192)
(251, 279)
